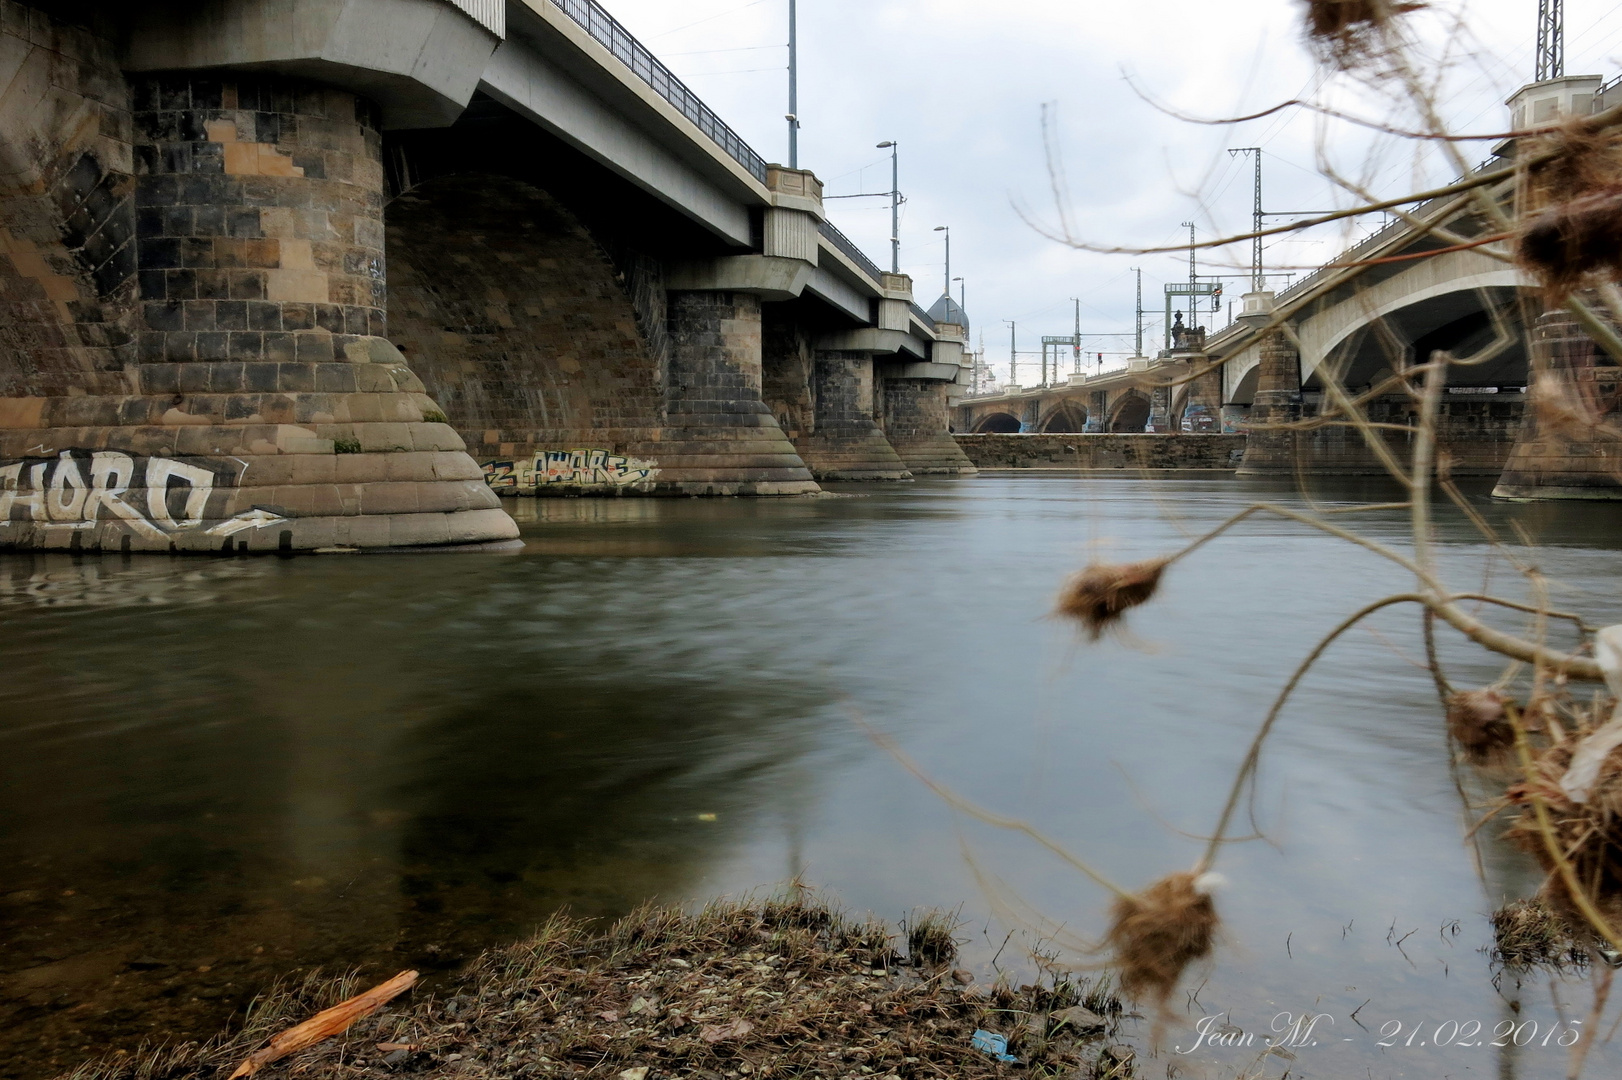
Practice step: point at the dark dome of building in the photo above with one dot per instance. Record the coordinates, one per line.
(947, 310)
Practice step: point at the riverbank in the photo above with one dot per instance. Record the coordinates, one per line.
(780, 989)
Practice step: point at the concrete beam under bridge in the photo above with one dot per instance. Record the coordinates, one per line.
(419, 60)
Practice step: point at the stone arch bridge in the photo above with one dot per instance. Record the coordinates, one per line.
(1383, 305)
(293, 274)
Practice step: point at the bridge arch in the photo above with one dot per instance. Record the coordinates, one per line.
(517, 321)
(1179, 404)
(1129, 413)
(1438, 303)
(1066, 417)
(1244, 391)
(997, 423)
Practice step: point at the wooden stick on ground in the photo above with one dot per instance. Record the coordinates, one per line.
(326, 1024)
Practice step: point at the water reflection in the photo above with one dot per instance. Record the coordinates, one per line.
(384, 760)
(316, 777)
(56, 580)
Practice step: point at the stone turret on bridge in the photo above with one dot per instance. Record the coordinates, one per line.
(593, 285)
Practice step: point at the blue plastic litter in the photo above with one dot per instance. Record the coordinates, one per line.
(993, 1044)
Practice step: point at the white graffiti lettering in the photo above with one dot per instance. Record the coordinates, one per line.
(582, 467)
(66, 500)
(257, 518)
(200, 482)
(63, 508)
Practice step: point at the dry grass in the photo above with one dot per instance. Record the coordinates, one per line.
(1570, 243)
(1480, 725)
(1102, 593)
(783, 989)
(1571, 234)
(1157, 933)
(1589, 833)
(1584, 827)
(1529, 934)
(1346, 33)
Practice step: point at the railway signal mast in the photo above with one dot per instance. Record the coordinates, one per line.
(1551, 59)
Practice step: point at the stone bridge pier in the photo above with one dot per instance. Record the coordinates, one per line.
(1570, 443)
(195, 355)
(723, 439)
(844, 440)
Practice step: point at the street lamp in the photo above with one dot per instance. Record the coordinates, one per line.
(793, 88)
(961, 302)
(895, 204)
(947, 229)
(1013, 350)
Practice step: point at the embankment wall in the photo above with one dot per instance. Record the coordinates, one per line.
(1075, 451)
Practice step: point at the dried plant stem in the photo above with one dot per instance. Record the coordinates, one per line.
(1580, 1048)
(1530, 609)
(1443, 687)
(1424, 458)
(1438, 598)
(1469, 183)
(1253, 756)
(958, 802)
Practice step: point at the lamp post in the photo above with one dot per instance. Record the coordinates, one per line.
(793, 117)
(895, 204)
(962, 304)
(947, 288)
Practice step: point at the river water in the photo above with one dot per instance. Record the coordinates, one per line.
(216, 772)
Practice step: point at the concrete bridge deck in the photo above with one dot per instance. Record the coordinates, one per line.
(285, 274)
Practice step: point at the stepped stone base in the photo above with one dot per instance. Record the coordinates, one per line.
(720, 438)
(251, 456)
(916, 422)
(856, 455)
(734, 461)
(933, 455)
(1570, 444)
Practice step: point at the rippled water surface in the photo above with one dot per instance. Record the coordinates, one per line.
(215, 772)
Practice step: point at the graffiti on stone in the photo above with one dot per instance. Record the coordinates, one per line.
(570, 467)
(153, 497)
(1199, 418)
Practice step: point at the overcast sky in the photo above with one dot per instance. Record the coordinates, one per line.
(961, 84)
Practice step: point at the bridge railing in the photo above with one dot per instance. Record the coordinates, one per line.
(613, 36)
(1374, 239)
(848, 247)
